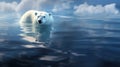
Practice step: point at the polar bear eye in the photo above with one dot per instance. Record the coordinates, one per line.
(35, 13)
(49, 14)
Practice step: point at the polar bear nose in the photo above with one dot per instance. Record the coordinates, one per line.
(39, 21)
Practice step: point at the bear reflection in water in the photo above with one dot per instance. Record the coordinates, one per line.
(37, 25)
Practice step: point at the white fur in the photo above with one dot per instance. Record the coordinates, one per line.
(29, 20)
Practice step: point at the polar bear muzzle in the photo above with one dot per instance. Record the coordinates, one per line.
(39, 21)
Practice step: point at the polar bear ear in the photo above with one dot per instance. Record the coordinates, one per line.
(35, 13)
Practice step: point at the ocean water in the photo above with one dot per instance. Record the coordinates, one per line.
(90, 42)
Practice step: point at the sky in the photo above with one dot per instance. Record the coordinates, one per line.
(78, 8)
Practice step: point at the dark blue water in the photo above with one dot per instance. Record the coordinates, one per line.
(91, 43)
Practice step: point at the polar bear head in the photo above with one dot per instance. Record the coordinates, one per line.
(43, 17)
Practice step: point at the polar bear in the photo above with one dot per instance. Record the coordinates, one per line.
(37, 22)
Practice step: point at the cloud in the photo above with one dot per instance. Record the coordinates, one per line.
(62, 5)
(62, 16)
(25, 5)
(8, 7)
(47, 5)
(97, 11)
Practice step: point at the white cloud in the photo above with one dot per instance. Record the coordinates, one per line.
(98, 10)
(23, 6)
(61, 5)
(62, 16)
(29, 4)
(8, 7)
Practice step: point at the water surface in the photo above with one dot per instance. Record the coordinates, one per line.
(91, 43)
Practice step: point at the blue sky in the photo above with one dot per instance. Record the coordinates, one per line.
(79, 8)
